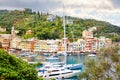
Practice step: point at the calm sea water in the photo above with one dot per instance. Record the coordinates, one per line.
(72, 59)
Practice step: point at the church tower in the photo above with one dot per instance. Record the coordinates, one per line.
(12, 32)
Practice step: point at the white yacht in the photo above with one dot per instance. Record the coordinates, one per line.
(57, 73)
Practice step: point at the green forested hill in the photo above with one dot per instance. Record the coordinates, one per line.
(42, 29)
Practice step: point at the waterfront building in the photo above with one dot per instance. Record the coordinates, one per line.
(90, 43)
(47, 45)
(70, 47)
(60, 45)
(104, 42)
(15, 43)
(94, 44)
(5, 41)
(41, 45)
(52, 44)
(66, 44)
(27, 44)
(81, 44)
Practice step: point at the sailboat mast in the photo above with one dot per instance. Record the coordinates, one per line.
(65, 49)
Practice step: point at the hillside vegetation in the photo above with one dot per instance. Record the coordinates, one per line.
(42, 29)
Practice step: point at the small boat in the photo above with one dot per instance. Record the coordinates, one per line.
(46, 54)
(91, 55)
(74, 66)
(24, 54)
(60, 53)
(52, 59)
(32, 55)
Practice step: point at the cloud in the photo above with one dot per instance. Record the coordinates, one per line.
(37, 5)
(116, 3)
(107, 10)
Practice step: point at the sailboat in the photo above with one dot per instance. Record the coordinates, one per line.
(69, 66)
(58, 70)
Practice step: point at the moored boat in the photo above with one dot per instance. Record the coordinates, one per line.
(74, 66)
(57, 73)
(91, 55)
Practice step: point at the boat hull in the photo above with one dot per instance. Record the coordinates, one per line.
(61, 76)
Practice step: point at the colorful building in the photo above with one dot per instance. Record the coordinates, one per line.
(27, 44)
(15, 43)
(5, 41)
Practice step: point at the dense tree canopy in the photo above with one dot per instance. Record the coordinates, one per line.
(12, 68)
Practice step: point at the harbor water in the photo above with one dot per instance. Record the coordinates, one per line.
(73, 59)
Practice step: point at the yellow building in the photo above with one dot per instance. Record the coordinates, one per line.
(15, 43)
(41, 45)
(28, 44)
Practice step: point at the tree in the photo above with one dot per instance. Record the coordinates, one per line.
(118, 71)
(0, 45)
(108, 63)
(12, 68)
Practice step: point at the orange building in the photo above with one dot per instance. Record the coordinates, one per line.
(28, 44)
(5, 41)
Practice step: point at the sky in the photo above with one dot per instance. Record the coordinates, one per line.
(105, 10)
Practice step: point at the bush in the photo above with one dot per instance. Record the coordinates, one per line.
(12, 68)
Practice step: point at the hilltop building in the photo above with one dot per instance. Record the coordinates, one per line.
(87, 34)
(2, 29)
(69, 21)
(51, 17)
(29, 32)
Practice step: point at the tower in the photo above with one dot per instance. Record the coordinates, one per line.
(12, 32)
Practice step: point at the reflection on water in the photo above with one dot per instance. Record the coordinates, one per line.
(73, 59)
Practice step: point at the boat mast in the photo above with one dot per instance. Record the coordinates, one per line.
(65, 49)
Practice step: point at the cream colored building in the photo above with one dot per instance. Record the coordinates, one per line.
(15, 43)
(87, 34)
(2, 29)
